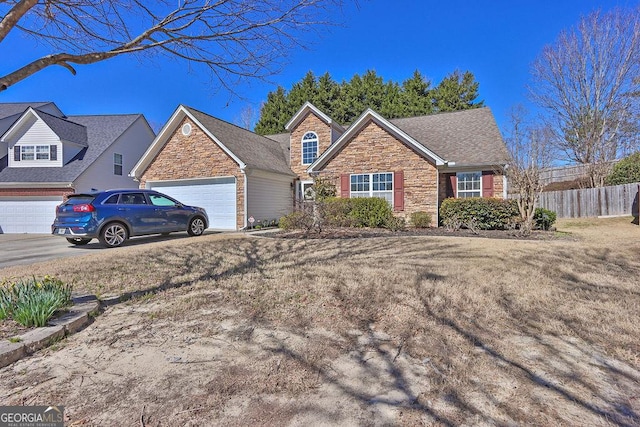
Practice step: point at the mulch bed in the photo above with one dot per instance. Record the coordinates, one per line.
(353, 233)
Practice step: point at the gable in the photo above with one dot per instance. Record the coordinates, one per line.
(374, 149)
(195, 155)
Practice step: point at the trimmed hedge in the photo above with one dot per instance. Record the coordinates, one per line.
(484, 213)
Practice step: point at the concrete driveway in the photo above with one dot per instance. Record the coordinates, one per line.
(25, 249)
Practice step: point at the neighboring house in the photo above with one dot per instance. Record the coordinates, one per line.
(45, 156)
(414, 163)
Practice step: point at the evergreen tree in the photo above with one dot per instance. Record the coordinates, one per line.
(456, 91)
(415, 96)
(346, 101)
(273, 113)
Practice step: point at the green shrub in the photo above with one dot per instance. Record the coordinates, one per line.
(370, 212)
(395, 223)
(298, 220)
(32, 302)
(335, 212)
(483, 213)
(421, 219)
(626, 171)
(544, 218)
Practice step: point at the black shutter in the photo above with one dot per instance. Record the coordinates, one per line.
(16, 153)
(53, 152)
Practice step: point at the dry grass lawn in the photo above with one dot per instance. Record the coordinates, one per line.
(368, 331)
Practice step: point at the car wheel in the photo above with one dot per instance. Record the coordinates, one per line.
(196, 226)
(78, 241)
(113, 234)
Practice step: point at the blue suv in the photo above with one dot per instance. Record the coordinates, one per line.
(113, 216)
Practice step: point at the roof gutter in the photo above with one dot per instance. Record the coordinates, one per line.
(36, 184)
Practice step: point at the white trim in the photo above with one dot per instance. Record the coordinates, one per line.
(302, 141)
(371, 190)
(306, 108)
(36, 185)
(187, 180)
(300, 186)
(388, 126)
(469, 191)
(163, 137)
(504, 185)
(245, 201)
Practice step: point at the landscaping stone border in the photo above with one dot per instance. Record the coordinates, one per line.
(75, 319)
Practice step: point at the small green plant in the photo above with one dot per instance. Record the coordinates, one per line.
(544, 218)
(32, 302)
(15, 339)
(421, 219)
(396, 223)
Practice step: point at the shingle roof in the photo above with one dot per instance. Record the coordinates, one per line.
(254, 150)
(469, 137)
(283, 140)
(65, 129)
(12, 108)
(102, 131)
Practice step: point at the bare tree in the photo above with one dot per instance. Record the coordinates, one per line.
(588, 82)
(233, 39)
(247, 118)
(531, 152)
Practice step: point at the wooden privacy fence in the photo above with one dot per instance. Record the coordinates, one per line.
(591, 202)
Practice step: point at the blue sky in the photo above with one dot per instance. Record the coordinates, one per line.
(495, 40)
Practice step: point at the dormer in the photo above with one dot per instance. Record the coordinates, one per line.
(311, 133)
(39, 139)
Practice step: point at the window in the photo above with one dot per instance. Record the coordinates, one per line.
(117, 164)
(133, 199)
(158, 200)
(34, 152)
(469, 184)
(309, 148)
(373, 185)
(112, 200)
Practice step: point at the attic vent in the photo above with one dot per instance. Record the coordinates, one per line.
(186, 129)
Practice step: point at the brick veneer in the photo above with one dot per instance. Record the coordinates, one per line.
(374, 150)
(310, 123)
(195, 156)
(34, 192)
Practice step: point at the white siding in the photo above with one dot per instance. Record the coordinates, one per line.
(269, 195)
(131, 144)
(35, 132)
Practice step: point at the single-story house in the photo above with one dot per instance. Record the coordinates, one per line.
(414, 163)
(46, 155)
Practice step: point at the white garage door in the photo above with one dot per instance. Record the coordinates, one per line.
(20, 215)
(216, 195)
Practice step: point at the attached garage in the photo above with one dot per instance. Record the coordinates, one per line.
(216, 195)
(27, 215)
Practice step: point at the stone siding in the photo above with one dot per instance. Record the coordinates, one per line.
(373, 150)
(195, 156)
(310, 123)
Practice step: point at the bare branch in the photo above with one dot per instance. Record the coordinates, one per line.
(230, 38)
(588, 83)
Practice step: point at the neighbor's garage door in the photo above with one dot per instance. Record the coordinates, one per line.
(20, 215)
(216, 195)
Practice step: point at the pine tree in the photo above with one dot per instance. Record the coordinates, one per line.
(456, 91)
(415, 96)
